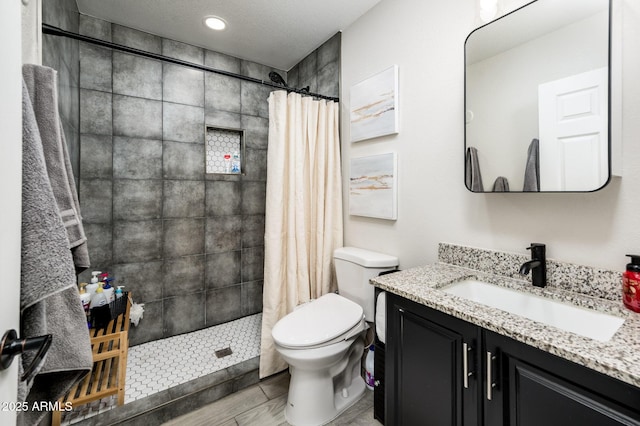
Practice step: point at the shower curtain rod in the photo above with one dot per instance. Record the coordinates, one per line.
(51, 30)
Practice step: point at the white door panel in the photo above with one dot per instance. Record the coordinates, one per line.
(580, 155)
(574, 123)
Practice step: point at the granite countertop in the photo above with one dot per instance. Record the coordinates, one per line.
(619, 357)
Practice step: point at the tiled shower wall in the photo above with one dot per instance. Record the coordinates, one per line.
(189, 245)
(61, 54)
(320, 70)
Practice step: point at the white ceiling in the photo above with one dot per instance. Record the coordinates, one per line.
(277, 33)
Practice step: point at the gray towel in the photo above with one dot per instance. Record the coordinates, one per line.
(473, 178)
(49, 298)
(42, 85)
(501, 184)
(532, 169)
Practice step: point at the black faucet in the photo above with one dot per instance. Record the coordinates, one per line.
(537, 265)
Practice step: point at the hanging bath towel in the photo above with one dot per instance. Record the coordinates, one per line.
(49, 298)
(42, 85)
(532, 169)
(472, 175)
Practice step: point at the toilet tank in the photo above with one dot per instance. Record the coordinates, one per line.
(354, 268)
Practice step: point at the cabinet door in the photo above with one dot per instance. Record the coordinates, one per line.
(426, 366)
(537, 388)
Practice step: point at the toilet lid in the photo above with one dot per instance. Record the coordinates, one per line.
(317, 322)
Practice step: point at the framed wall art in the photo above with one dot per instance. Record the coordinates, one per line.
(374, 106)
(373, 186)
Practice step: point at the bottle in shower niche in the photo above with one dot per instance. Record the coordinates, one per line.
(235, 162)
(227, 163)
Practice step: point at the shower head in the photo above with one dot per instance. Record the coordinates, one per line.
(277, 78)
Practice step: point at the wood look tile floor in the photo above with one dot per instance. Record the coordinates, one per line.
(263, 405)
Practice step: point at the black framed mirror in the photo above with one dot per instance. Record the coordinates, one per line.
(537, 99)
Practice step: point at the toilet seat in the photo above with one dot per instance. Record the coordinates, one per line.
(328, 319)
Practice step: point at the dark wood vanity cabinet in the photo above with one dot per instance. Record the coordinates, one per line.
(530, 387)
(507, 382)
(426, 355)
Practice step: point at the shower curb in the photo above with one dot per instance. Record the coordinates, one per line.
(179, 400)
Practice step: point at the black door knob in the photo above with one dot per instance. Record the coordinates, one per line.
(10, 346)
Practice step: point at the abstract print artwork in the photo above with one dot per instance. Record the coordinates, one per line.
(373, 186)
(374, 106)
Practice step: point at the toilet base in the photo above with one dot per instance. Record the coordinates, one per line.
(317, 396)
(341, 404)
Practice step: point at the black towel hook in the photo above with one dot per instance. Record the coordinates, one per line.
(10, 346)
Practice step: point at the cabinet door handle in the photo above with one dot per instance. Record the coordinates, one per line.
(490, 383)
(465, 365)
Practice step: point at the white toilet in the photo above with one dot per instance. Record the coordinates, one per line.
(322, 341)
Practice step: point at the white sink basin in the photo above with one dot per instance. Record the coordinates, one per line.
(585, 322)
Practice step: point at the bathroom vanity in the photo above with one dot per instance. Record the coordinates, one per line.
(446, 371)
(452, 361)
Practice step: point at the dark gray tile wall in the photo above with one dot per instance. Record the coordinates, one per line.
(320, 70)
(190, 246)
(175, 237)
(62, 54)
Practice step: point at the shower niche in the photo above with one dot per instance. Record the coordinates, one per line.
(224, 150)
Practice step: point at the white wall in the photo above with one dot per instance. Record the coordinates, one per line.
(425, 38)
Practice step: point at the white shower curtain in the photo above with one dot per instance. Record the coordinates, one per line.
(303, 221)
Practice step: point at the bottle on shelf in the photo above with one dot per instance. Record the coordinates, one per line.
(99, 298)
(109, 290)
(119, 291)
(91, 288)
(85, 299)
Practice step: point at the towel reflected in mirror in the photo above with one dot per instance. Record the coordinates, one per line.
(472, 176)
(532, 169)
(501, 184)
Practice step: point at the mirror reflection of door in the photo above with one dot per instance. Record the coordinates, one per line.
(506, 61)
(573, 132)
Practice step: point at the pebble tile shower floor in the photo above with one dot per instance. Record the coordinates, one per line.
(155, 366)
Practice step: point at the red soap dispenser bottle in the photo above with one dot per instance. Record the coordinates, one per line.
(631, 284)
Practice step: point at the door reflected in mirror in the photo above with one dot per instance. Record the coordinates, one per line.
(537, 86)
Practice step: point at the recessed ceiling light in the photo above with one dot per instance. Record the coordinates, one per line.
(215, 23)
